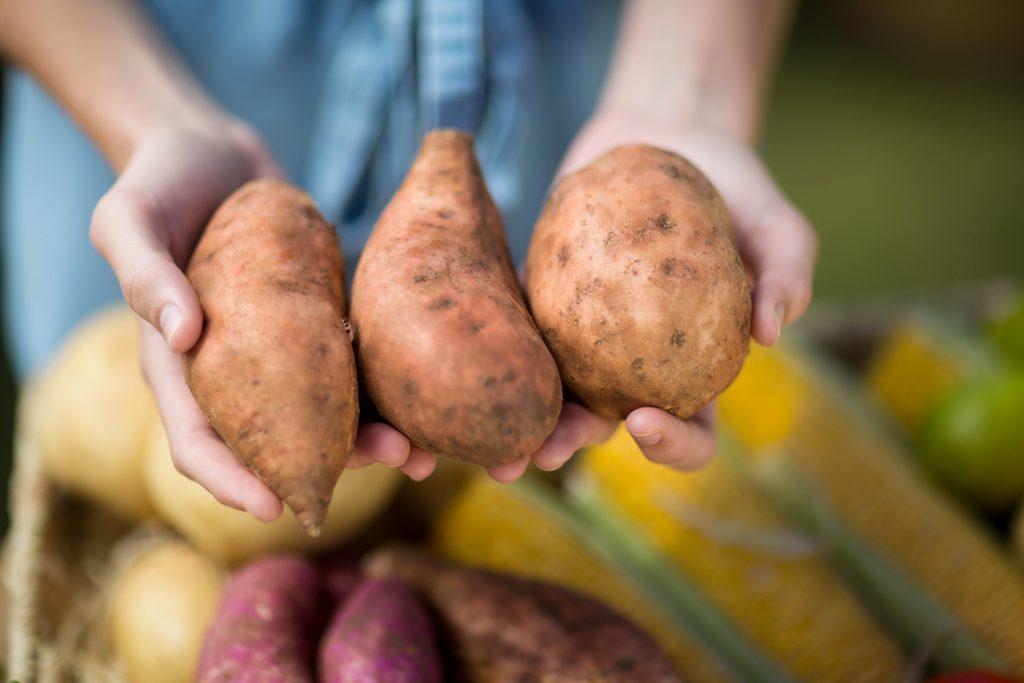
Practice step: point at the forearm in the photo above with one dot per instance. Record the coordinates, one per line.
(106, 66)
(696, 61)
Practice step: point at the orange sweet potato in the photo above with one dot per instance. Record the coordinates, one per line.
(274, 370)
(446, 348)
(635, 283)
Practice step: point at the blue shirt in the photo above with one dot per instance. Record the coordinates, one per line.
(341, 91)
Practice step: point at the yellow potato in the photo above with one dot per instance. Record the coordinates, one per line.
(360, 495)
(91, 413)
(161, 605)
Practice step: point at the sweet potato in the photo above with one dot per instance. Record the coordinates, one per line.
(445, 345)
(274, 370)
(505, 629)
(341, 575)
(381, 634)
(268, 624)
(636, 285)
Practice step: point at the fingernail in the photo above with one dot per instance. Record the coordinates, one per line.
(170, 321)
(780, 317)
(648, 439)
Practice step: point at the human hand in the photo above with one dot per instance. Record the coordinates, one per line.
(776, 243)
(146, 226)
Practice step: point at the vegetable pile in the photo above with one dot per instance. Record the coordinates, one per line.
(489, 627)
(814, 547)
(854, 526)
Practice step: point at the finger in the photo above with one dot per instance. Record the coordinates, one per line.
(420, 465)
(667, 440)
(780, 246)
(198, 452)
(379, 442)
(509, 472)
(128, 235)
(577, 427)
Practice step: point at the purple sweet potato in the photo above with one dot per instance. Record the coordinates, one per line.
(341, 575)
(381, 634)
(274, 370)
(268, 624)
(504, 629)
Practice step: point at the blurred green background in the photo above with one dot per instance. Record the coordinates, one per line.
(898, 128)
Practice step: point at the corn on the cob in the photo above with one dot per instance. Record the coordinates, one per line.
(921, 361)
(865, 479)
(764, 574)
(504, 529)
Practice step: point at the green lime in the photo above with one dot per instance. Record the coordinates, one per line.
(973, 442)
(1008, 335)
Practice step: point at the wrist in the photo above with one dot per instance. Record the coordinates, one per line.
(706, 115)
(642, 125)
(153, 114)
(703, 64)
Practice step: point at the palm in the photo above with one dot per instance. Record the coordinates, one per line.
(775, 241)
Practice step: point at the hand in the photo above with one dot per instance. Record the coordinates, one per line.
(146, 226)
(774, 239)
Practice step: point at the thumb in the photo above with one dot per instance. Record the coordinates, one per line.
(127, 232)
(781, 248)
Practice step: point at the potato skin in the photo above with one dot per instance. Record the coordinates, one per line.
(505, 629)
(635, 283)
(380, 634)
(266, 629)
(446, 347)
(274, 370)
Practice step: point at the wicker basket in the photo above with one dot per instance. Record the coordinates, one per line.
(58, 554)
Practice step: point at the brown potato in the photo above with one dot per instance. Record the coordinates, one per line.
(446, 348)
(505, 629)
(274, 370)
(636, 285)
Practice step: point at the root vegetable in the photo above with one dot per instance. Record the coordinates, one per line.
(274, 370)
(636, 285)
(91, 413)
(446, 348)
(161, 605)
(268, 624)
(506, 629)
(381, 634)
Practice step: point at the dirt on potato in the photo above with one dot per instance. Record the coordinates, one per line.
(636, 285)
(274, 370)
(446, 347)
